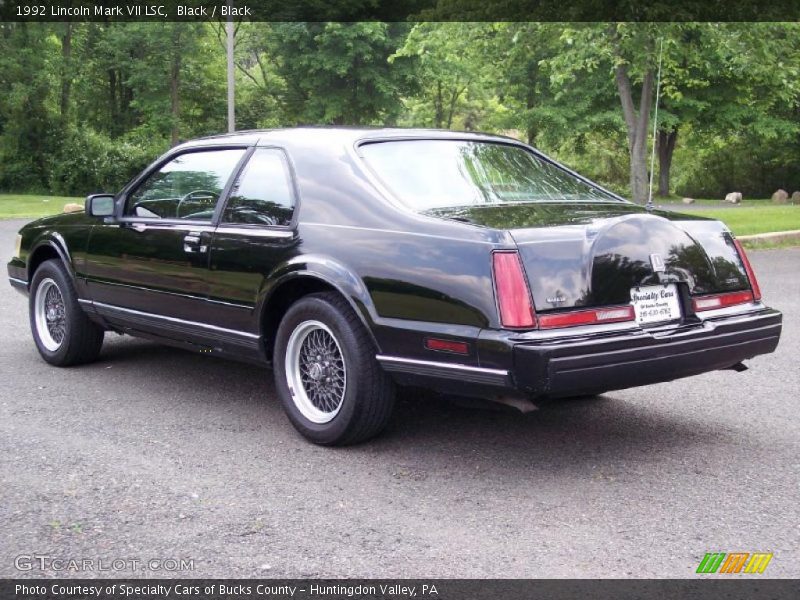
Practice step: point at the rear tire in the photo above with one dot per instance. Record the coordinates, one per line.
(63, 334)
(326, 375)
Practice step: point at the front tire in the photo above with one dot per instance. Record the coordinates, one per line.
(63, 334)
(326, 375)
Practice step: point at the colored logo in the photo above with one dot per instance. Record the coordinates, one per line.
(734, 562)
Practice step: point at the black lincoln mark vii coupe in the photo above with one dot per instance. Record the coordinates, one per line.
(353, 260)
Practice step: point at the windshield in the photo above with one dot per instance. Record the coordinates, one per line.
(430, 174)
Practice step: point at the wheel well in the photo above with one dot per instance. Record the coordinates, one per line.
(280, 301)
(41, 254)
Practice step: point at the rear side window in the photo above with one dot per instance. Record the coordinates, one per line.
(435, 174)
(187, 187)
(262, 195)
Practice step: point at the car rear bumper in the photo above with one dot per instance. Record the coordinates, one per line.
(574, 366)
(591, 360)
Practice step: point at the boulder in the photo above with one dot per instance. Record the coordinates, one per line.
(734, 197)
(688, 200)
(780, 197)
(71, 207)
(796, 197)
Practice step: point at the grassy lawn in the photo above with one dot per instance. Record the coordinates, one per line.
(676, 200)
(14, 206)
(755, 216)
(747, 220)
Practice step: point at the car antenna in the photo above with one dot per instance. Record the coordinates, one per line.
(649, 205)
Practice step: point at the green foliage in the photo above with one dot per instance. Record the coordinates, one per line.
(338, 73)
(85, 105)
(91, 162)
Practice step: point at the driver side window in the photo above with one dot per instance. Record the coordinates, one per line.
(187, 187)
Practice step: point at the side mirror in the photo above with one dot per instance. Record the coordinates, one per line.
(100, 205)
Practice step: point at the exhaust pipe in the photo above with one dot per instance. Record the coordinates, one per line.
(738, 367)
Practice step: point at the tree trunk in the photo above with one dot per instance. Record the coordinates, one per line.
(112, 98)
(666, 147)
(438, 108)
(174, 86)
(66, 74)
(636, 123)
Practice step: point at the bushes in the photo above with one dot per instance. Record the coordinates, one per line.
(90, 162)
(756, 167)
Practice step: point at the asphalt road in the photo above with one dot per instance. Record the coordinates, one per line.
(155, 453)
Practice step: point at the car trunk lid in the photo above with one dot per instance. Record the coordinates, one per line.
(593, 254)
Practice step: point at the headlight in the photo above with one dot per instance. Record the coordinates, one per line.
(18, 246)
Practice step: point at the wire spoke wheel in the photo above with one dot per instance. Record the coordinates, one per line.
(316, 371)
(50, 315)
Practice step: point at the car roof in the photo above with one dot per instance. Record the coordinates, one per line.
(344, 135)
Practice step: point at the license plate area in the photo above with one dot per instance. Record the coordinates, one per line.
(656, 303)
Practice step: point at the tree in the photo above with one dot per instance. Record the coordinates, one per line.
(452, 68)
(339, 73)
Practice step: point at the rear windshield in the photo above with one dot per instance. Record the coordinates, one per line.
(430, 174)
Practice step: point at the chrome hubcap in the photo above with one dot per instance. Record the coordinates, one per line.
(50, 315)
(315, 371)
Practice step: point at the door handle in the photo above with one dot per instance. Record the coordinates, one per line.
(192, 245)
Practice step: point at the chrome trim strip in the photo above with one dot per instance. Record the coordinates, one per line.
(266, 233)
(441, 365)
(141, 226)
(396, 231)
(172, 319)
(189, 296)
(17, 280)
(729, 311)
(145, 225)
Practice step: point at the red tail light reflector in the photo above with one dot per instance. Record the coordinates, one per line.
(447, 346)
(513, 297)
(612, 314)
(702, 303)
(748, 269)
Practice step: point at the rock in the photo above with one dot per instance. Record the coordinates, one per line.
(71, 207)
(780, 197)
(796, 197)
(734, 197)
(688, 200)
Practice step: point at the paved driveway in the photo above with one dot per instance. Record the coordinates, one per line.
(154, 453)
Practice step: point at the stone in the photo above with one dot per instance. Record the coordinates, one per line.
(780, 197)
(796, 197)
(72, 207)
(688, 200)
(734, 197)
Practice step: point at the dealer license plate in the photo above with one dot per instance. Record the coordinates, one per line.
(655, 303)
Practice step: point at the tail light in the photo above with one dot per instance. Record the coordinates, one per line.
(713, 301)
(513, 296)
(611, 314)
(749, 270)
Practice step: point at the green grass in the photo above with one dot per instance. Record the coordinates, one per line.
(13, 206)
(755, 216)
(748, 220)
(671, 200)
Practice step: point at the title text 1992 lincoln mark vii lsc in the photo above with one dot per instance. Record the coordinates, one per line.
(353, 260)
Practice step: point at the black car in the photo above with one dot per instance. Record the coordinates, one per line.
(352, 260)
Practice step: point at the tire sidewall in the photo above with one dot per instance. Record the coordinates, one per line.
(307, 309)
(51, 270)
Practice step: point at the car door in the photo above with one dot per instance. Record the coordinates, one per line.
(150, 264)
(255, 234)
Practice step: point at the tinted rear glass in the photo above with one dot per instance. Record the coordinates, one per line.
(429, 174)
